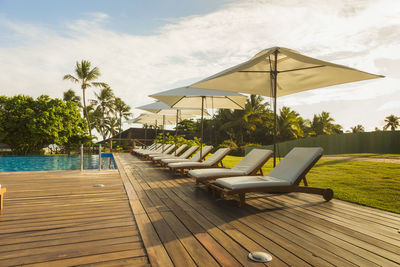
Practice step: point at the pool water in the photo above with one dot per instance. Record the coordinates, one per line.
(55, 162)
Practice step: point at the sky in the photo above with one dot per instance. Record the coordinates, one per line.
(144, 47)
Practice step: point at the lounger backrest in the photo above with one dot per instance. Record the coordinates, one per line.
(253, 160)
(158, 149)
(205, 151)
(189, 152)
(217, 156)
(295, 163)
(169, 149)
(180, 149)
(153, 146)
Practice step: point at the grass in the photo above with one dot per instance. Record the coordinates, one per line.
(368, 155)
(372, 184)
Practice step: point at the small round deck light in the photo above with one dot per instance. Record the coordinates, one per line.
(259, 256)
(99, 185)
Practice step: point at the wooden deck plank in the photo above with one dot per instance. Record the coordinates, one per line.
(156, 252)
(60, 218)
(144, 215)
(283, 232)
(297, 229)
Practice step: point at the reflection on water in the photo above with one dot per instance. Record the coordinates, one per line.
(54, 162)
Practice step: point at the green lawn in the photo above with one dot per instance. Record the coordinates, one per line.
(368, 155)
(367, 183)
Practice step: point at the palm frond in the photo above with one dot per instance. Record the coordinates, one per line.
(71, 78)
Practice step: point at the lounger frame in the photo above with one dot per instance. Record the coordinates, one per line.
(206, 180)
(183, 170)
(326, 193)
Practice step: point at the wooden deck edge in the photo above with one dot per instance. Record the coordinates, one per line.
(155, 250)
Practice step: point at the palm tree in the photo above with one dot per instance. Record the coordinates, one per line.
(323, 124)
(70, 95)
(289, 126)
(239, 124)
(110, 126)
(104, 104)
(122, 110)
(86, 77)
(357, 129)
(392, 122)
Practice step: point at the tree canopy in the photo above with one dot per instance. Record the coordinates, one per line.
(28, 125)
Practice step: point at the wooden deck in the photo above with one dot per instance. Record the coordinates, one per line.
(60, 219)
(185, 226)
(143, 215)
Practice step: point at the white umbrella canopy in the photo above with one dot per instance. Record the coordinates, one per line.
(186, 97)
(155, 119)
(279, 71)
(294, 73)
(162, 108)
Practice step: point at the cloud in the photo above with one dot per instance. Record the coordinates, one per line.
(390, 106)
(360, 34)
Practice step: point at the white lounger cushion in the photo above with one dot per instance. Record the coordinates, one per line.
(252, 160)
(195, 158)
(242, 182)
(215, 172)
(295, 162)
(284, 174)
(212, 160)
(159, 150)
(185, 164)
(182, 147)
(244, 167)
(166, 161)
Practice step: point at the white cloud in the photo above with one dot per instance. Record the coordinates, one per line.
(391, 105)
(360, 34)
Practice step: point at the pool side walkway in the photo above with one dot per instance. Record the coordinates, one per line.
(58, 218)
(381, 160)
(185, 226)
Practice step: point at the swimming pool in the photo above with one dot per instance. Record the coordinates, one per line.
(55, 162)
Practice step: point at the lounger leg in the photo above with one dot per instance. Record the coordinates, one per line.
(242, 199)
(326, 193)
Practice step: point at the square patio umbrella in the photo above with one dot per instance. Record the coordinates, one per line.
(153, 119)
(161, 108)
(185, 97)
(279, 71)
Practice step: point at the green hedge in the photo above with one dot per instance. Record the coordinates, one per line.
(385, 142)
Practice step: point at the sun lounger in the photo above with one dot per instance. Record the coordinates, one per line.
(159, 150)
(196, 157)
(139, 151)
(2, 191)
(176, 153)
(284, 178)
(166, 151)
(249, 165)
(212, 161)
(167, 159)
(151, 147)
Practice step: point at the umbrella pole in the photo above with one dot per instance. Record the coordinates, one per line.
(145, 136)
(201, 140)
(176, 129)
(275, 78)
(155, 138)
(163, 133)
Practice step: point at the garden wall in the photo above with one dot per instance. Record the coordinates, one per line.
(385, 142)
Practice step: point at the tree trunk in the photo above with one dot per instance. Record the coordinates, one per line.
(86, 113)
